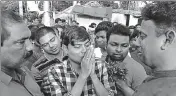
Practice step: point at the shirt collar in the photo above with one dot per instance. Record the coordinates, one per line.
(168, 73)
(6, 79)
(7, 76)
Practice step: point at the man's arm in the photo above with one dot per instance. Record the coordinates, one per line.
(127, 91)
(54, 86)
(78, 87)
(99, 88)
(103, 87)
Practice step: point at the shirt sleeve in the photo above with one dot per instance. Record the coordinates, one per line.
(55, 87)
(139, 75)
(107, 82)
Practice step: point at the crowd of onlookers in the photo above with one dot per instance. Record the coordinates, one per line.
(105, 59)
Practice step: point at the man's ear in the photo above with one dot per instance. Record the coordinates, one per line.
(170, 36)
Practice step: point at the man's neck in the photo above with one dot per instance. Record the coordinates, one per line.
(165, 64)
(8, 71)
(52, 56)
(75, 66)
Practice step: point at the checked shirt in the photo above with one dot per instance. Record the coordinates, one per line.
(62, 79)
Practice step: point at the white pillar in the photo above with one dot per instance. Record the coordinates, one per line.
(74, 2)
(21, 8)
(46, 16)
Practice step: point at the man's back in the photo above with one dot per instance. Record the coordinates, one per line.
(158, 87)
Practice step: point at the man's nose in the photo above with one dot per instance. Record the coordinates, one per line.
(29, 45)
(84, 49)
(51, 45)
(119, 49)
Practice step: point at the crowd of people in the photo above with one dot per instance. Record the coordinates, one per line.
(106, 59)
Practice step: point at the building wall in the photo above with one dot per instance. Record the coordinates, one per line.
(86, 21)
(121, 18)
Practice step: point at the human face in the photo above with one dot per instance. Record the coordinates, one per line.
(117, 47)
(36, 22)
(59, 23)
(50, 43)
(138, 27)
(135, 42)
(150, 44)
(100, 39)
(131, 31)
(77, 51)
(17, 48)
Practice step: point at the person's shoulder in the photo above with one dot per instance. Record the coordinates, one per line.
(159, 86)
(131, 63)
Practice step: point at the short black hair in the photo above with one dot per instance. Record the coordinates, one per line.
(135, 34)
(118, 30)
(74, 21)
(163, 13)
(33, 29)
(63, 20)
(43, 31)
(137, 25)
(74, 33)
(8, 17)
(83, 27)
(57, 20)
(132, 27)
(104, 25)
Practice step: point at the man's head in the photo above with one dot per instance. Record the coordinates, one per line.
(118, 39)
(77, 40)
(100, 33)
(134, 41)
(93, 25)
(115, 23)
(47, 39)
(131, 29)
(16, 47)
(74, 23)
(63, 22)
(138, 27)
(59, 28)
(158, 36)
(58, 21)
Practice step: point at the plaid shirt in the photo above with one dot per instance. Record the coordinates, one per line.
(62, 79)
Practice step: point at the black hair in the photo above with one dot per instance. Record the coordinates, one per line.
(33, 29)
(57, 20)
(75, 33)
(104, 25)
(43, 31)
(163, 13)
(118, 30)
(83, 27)
(131, 27)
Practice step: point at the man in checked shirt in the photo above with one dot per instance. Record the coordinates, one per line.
(80, 74)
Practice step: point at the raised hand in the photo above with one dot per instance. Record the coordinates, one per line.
(86, 64)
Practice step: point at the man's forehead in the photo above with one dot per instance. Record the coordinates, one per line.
(119, 38)
(18, 31)
(47, 37)
(100, 33)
